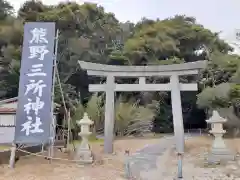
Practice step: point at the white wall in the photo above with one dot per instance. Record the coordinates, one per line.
(7, 134)
(7, 119)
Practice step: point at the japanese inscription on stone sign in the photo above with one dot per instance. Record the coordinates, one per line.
(33, 116)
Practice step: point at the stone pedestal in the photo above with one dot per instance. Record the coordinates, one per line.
(219, 151)
(84, 153)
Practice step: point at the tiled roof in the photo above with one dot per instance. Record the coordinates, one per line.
(7, 110)
(6, 101)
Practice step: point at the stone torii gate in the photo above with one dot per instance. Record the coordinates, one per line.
(110, 87)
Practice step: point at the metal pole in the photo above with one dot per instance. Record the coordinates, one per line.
(180, 158)
(53, 124)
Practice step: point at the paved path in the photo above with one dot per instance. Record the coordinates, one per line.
(144, 163)
(150, 162)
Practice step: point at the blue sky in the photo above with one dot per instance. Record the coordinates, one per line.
(217, 15)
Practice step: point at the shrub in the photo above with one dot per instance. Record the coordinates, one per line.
(130, 117)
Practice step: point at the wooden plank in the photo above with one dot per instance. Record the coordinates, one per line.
(142, 87)
(151, 68)
(140, 74)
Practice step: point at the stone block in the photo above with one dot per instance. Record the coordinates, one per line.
(220, 155)
(84, 156)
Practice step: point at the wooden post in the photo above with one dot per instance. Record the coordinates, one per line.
(177, 113)
(142, 81)
(68, 130)
(109, 115)
(12, 156)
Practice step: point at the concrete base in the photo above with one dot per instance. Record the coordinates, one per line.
(84, 155)
(220, 155)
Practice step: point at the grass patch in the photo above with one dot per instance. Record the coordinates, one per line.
(2, 148)
(92, 139)
(145, 136)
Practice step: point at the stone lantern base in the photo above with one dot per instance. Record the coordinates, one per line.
(218, 155)
(84, 155)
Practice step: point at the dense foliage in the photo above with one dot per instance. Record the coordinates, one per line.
(88, 33)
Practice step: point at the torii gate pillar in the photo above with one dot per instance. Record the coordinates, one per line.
(177, 112)
(109, 115)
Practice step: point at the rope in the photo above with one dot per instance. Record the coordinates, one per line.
(61, 159)
(38, 155)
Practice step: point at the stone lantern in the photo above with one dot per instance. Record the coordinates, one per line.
(84, 153)
(219, 151)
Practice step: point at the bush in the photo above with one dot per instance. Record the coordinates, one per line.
(225, 99)
(130, 117)
(93, 108)
(216, 97)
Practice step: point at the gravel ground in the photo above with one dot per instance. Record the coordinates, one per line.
(195, 166)
(160, 160)
(162, 163)
(106, 167)
(192, 171)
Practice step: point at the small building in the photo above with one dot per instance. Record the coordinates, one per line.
(7, 119)
(8, 109)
